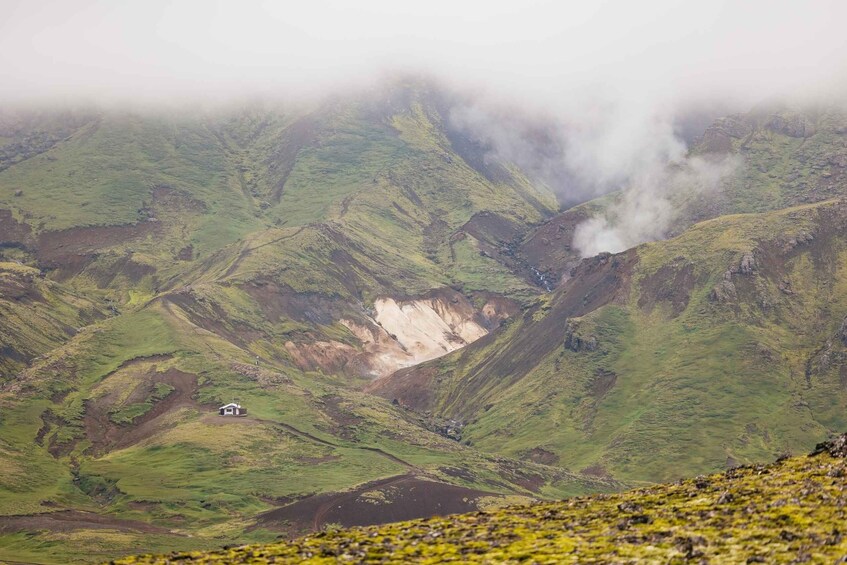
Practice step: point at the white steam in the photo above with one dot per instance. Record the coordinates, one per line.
(644, 210)
(600, 142)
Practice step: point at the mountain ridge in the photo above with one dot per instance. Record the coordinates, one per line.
(282, 258)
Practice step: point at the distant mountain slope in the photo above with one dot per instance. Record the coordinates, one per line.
(155, 267)
(331, 206)
(786, 156)
(720, 346)
(786, 512)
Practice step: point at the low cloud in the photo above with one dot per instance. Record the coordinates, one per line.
(614, 89)
(645, 209)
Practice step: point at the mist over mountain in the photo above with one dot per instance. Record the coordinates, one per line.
(268, 269)
(613, 83)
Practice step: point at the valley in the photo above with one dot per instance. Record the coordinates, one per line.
(403, 312)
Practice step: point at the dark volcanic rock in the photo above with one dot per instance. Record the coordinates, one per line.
(836, 447)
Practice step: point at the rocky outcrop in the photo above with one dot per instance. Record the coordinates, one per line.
(836, 447)
(791, 125)
(576, 341)
(726, 291)
(718, 137)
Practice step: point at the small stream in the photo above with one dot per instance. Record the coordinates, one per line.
(542, 279)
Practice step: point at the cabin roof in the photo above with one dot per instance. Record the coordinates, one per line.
(230, 405)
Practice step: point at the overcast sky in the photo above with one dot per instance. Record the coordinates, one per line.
(157, 49)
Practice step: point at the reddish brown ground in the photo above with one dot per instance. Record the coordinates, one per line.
(671, 284)
(70, 520)
(106, 435)
(70, 251)
(550, 247)
(12, 232)
(402, 497)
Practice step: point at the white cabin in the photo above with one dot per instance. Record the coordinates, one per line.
(232, 409)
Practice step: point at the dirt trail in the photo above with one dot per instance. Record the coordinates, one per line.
(292, 429)
(248, 250)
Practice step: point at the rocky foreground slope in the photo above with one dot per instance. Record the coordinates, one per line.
(792, 511)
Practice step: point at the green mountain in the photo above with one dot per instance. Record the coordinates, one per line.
(719, 346)
(158, 266)
(785, 512)
(297, 259)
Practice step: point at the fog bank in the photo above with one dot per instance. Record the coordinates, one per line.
(621, 85)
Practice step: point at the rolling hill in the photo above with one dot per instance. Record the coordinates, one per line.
(300, 258)
(616, 372)
(785, 512)
(158, 266)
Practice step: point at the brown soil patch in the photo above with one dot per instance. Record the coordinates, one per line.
(340, 415)
(280, 302)
(328, 356)
(603, 382)
(412, 387)
(491, 228)
(186, 253)
(12, 232)
(216, 419)
(549, 248)
(403, 497)
(106, 435)
(167, 197)
(70, 520)
(596, 470)
(671, 283)
(71, 250)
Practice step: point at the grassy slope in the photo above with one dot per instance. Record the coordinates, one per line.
(785, 512)
(380, 191)
(653, 401)
(37, 315)
(348, 201)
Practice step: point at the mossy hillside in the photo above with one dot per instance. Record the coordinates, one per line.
(210, 186)
(204, 198)
(37, 315)
(195, 473)
(392, 171)
(779, 513)
(650, 400)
